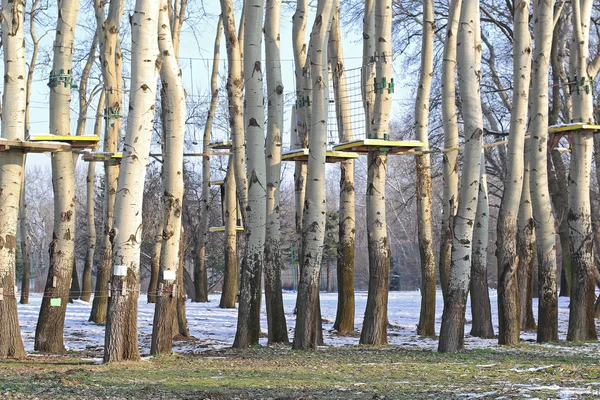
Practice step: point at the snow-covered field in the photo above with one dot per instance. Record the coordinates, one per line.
(215, 328)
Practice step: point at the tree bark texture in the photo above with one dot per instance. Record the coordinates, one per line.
(480, 298)
(581, 316)
(235, 87)
(307, 333)
(540, 195)
(200, 270)
(468, 56)
(112, 71)
(450, 157)
(276, 323)
(49, 329)
(86, 292)
(508, 288)
(230, 274)
(121, 341)
(173, 136)
(374, 330)
(526, 250)
(24, 238)
(155, 264)
(11, 170)
(426, 325)
(344, 320)
(248, 329)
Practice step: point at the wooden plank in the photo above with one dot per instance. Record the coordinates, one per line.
(222, 229)
(33, 147)
(363, 146)
(101, 157)
(221, 145)
(574, 128)
(217, 183)
(332, 157)
(76, 142)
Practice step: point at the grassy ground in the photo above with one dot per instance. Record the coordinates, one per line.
(329, 373)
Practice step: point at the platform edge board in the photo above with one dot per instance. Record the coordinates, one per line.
(222, 229)
(573, 128)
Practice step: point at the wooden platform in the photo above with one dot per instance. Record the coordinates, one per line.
(222, 229)
(301, 155)
(33, 147)
(221, 145)
(574, 128)
(217, 183)
(363, 146)
(100, 157)
(76, 142)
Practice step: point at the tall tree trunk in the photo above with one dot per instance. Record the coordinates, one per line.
(450, 157)
(468, 56)
(11, 169)
(426, 325)
(526, 249)
(508, 288)
(155, 264)
(480, 297)
(24, 233)
(248, 329)
(180, 326)
(374, 330)
(173, 131)
(230, 274)
(90, 207)
(277, 327)
(200, 271)
(25, 250)
(235, 87)
(307, 333)
(542, 208)
(581, 316)
(344, 319)
(557, 178)
(49, 329)
(303, 112)
(112, 70)
(121, 341)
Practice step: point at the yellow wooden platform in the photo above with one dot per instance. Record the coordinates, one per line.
(76, 142)
(217, 183)
(301, 155)
(222, 229)
(363, 146)
(33, 147)
(221, 145)
(574, 128)
(100, 157)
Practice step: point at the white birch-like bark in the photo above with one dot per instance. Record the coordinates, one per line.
(248, 329)
(508, 305)
(450, 157)
(375, 322)
(368, 67)
(229, 292)
(173, 135)
(277, 328)
(200, 274)
(235, 87)
(121, 326)
(344, 321)
(468, 57)
(542, 207)
(581, 317)
(300, 169)
(313, 234)
(426, 325)
(11, 169)
(90, 209)
(112, 71)
(49, 329)
(480, 299)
